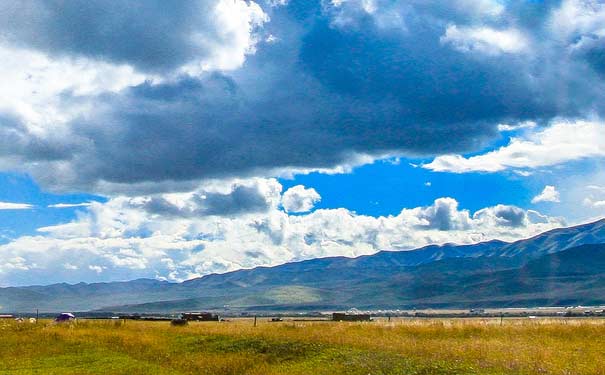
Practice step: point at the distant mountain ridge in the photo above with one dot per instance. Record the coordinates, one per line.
(492, 273)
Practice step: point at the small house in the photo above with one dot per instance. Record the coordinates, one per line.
(200, 317)
(344, 317)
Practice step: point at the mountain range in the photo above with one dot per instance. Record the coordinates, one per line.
(564, 266)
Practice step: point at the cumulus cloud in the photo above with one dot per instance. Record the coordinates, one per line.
(549, 194)
(485, 40)
(559, 143)
(15, 206)
(300, 199)
(120, 239)
(255, 196)
(442, 215)
(508, 216)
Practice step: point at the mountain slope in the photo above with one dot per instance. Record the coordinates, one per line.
(553, 241)
(573, 276)
(490, 273)
(341, 270)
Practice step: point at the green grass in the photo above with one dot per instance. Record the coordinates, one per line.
(412, 347)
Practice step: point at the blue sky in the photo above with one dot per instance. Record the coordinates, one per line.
(385, 188)
(19, 188)
(146, 139)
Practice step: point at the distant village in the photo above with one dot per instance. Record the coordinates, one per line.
(352, 315)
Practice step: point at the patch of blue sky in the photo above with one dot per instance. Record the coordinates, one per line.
(384, 188)
(20, 188)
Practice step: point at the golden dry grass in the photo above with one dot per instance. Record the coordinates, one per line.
(406, 346)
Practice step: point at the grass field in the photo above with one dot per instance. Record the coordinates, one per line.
(519, 346)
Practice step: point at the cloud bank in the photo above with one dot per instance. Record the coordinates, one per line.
(164, 96)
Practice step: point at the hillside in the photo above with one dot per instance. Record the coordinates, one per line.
(556, 267)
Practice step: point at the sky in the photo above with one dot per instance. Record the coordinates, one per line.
(172, 140)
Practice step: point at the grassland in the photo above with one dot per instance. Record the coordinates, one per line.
(237, 347)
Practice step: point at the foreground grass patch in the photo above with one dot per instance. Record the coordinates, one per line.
(402, 347)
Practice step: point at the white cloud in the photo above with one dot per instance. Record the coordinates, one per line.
(15, 206)
(392, 15)
(300, 199)
(442, 215)
(69, 205)
(595, 198)
(485, 40)
(34, 82)
(385, 15)
(577, 18)
(16, 263)
(127, 240)
(97, 269)
(559, 143)
(515, 127)
(590, 202)
(522, 173)
(579, 26)
(235, 23)
(549, 194)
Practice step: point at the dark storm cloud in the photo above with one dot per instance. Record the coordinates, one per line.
(591, 48)
(17, 141)
(153, 35)
(337, 82)
(241, 199)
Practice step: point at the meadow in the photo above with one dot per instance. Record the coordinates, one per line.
(404, 346)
